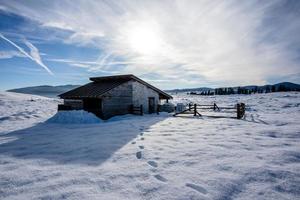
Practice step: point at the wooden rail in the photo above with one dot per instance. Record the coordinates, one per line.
(138, 110)
(193, 109)
(206, 107)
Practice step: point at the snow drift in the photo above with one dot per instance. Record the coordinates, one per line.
(74, 117)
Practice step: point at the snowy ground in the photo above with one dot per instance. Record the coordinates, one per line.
(22, 110)
(152, 157)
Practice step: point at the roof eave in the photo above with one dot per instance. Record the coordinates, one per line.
(152, 87)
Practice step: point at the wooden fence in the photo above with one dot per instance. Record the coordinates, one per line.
(241, 108)
(137, 110)
(194, 109)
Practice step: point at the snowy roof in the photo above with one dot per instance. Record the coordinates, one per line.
(101, 85)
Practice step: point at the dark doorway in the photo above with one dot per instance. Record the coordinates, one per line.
(151, 104)
(93, 105)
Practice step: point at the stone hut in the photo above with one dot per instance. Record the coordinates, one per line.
(114, 95)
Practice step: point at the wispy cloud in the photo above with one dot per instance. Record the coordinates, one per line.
(34, 54)
(10, 54)
(230, 42)
(103, 63)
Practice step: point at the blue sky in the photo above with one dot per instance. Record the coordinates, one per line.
(171, 44)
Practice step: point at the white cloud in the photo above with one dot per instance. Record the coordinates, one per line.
(3, 8)
(34, 54)
(230, 42)
(10, 54)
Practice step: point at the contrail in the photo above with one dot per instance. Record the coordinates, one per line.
(35, 56)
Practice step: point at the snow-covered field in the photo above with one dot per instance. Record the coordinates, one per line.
(19, 111)
(150, 156)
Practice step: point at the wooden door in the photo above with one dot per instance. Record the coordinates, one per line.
(151, 103)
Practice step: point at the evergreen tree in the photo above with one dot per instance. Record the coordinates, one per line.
(281, 88)
(222, 91)
(267, 89)
(230, 91)
(239, 90)
(255, 89)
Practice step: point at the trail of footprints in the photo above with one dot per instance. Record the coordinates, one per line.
(154, 164)
(257, 119)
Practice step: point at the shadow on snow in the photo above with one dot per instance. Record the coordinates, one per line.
(89, 144)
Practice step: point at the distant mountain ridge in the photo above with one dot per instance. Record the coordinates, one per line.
(45, 90)
(53, 91)
(287, 85)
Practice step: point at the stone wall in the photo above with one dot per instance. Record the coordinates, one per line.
(141, 93)
(117, 100)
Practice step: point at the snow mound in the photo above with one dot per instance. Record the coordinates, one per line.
(74, 117)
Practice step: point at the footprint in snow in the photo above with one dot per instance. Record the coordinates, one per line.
(160, 178)
(152, 163)
(141, 134)
(263, 122)
(142, 138)
(197, 188)
(139, 155)
(141, 147)
(133, 142)
(252, 118)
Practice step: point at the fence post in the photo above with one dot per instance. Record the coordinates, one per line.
(195, 109)
(238, 111)
(214, 106)
(190, 106)
(242, 110)
(141, 107)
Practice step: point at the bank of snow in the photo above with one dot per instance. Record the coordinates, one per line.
(156, 156)
(74, 117)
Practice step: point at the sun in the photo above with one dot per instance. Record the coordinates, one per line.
(144, 40)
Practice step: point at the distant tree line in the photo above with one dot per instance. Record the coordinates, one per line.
(243, 90)
(202, 93)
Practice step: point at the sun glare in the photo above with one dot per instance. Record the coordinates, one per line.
(144, 40)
